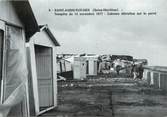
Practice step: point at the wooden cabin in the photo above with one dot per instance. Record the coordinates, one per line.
(43, 74)
(156, 76)
(17, 25)
(91, 65)
(64, 66)
(79, 68)
(64, 69)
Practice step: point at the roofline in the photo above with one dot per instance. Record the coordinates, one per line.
(24, 11)
(50, 34)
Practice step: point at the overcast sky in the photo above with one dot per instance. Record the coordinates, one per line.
(139, 36)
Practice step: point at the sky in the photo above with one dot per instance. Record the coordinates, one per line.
(143, 37)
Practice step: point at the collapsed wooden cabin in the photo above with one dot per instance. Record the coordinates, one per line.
(17, 25)
(64, 69)
(43, 74)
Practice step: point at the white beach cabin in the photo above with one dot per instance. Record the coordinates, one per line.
(43, 74)
(79, 68)
(91, 65)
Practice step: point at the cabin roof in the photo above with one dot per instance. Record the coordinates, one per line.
(26, 15)
(50, 34)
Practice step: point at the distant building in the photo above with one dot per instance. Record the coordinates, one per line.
(91, 64)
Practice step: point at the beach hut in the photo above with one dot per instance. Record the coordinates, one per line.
(91, 65)
(41, 51)
(17, 25)
(79, 68)
(156, 76)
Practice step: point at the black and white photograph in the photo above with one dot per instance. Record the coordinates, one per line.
(83, 58)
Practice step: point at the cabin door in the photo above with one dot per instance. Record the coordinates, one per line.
(44, 67)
